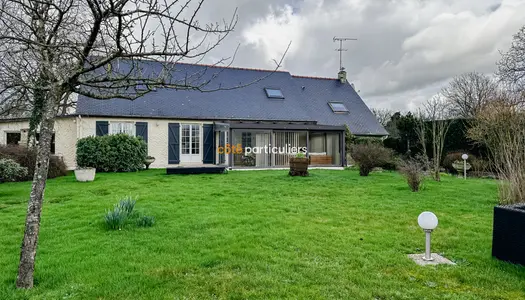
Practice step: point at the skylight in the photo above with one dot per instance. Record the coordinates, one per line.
(338, 107)
(274, 93)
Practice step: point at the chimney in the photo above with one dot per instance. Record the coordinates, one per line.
(342, 75)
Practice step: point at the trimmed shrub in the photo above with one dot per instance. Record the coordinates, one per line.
(412, 170)
(370, 155)
(10, 170)
(26, 158)
(112, 153)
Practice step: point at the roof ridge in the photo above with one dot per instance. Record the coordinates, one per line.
(248, 69)
(233, 67)
(313, 77)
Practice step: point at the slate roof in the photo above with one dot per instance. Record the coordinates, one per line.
(306, 99)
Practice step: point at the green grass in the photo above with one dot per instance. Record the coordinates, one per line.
(258, 234)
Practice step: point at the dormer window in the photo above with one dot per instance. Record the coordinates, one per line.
(274, 93)
(338, 107)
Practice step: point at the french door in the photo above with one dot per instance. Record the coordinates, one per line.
(190, 143)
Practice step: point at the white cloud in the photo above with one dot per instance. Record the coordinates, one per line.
(407, 49)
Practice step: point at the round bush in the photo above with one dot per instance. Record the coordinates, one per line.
(112, 153)
(10, 170)
(370, 155)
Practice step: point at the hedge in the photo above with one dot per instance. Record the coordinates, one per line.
(112, 153)
(26, 157)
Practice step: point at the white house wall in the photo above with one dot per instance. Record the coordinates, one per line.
(157, 135)
(67, 130)
(65, 137)
(11, 127)
(66, 140)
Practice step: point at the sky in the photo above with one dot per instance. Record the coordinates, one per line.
(406, 50)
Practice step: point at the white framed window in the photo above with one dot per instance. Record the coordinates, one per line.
(122, 127)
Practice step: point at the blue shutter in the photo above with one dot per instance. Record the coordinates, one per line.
(208, 145)
(141, 129)
(173, 143)
(102, 128)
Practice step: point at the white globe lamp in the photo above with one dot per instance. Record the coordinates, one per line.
(428, 221)
(465, 157)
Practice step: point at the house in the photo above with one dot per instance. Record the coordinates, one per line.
(275, 114)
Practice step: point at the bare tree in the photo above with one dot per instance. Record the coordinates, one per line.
(511, 67)
(383, 115)
(51, 50)
(421, 132)
(500, 126)
(468, 93)
(437, 114)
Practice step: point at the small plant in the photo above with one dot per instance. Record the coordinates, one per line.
(412, 169)
(115, 219)
(123, 213)
(145, 221)
(10, 170)
(299, 165)
(370, 155)
(127, 205)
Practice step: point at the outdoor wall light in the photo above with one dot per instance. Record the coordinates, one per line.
(428, 221)
(465, 157)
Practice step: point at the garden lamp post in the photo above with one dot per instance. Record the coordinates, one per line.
(428, 221)
(465, 157)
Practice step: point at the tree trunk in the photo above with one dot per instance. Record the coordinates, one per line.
(437, 174)
(34, 208)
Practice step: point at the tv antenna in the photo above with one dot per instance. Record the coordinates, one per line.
(341, 40)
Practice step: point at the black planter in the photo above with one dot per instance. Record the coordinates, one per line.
(508, 237)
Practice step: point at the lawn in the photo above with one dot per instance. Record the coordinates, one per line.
(258, 234)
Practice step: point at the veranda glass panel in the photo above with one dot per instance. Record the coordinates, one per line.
(325, 148)
(285, 142)
(220, 137)
(252, 151)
